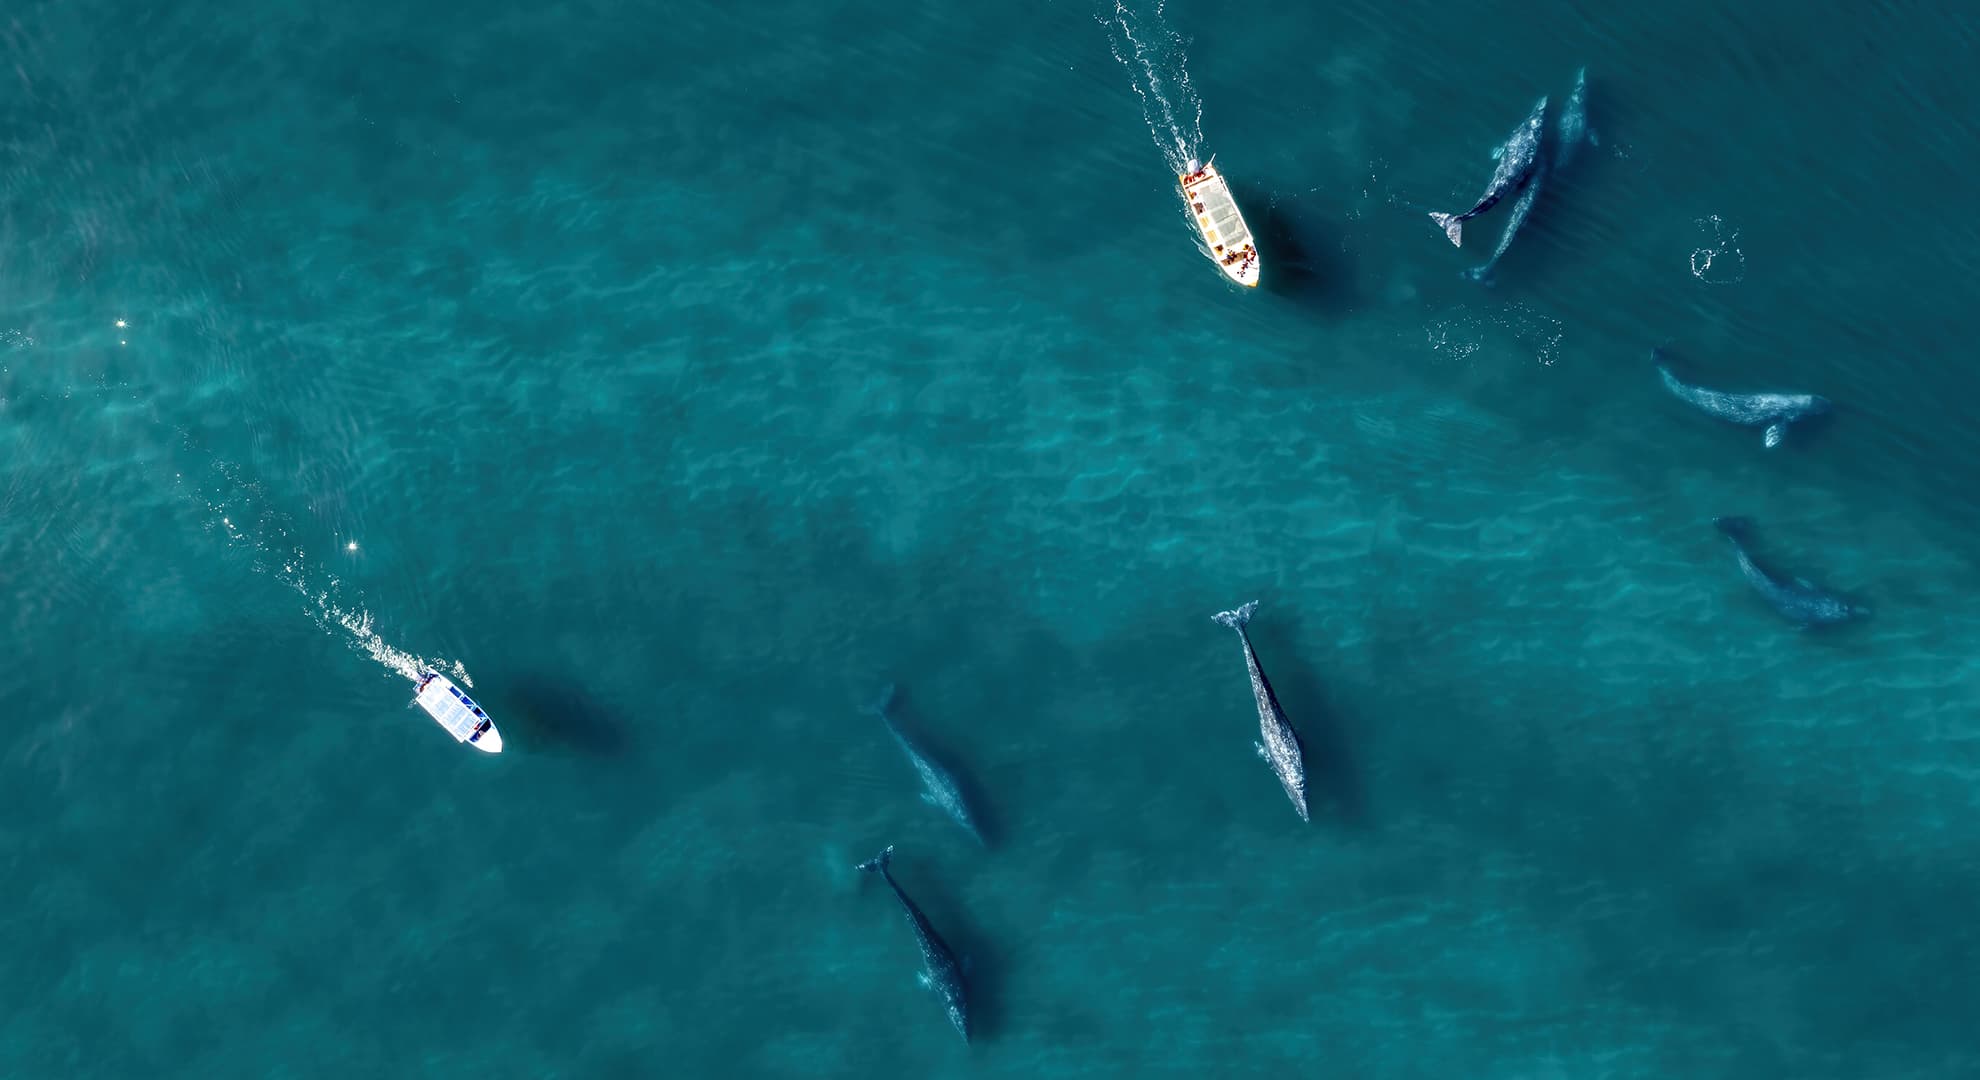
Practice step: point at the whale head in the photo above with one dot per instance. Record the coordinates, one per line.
(1808, 405)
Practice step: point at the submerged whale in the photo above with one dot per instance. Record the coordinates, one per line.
(1796, 600)
(1278, 743)
(1517, 160)
(940, 972)
(1573, 129)
(938, 785)
(1772, 412)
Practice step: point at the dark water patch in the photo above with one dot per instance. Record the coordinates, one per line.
(556, 712)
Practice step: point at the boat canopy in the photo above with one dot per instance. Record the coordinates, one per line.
(455, 711)
(1226, 226)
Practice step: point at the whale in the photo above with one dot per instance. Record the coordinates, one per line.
(1571, 130)
(940, 971)
(1518, 157)
(939, 788)
(1770, 412)
(1522, 207)
(1796, 600)
(1278, 744)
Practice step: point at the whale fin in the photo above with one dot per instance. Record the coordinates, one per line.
(878, 863)
(1263, 754)
(930, 799)
(1452, 225)
(1776, 431)
(1236, 620)
(922, 980)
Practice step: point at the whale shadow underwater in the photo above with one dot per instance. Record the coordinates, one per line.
(1333, 772)
(551, 711)
(982, 812)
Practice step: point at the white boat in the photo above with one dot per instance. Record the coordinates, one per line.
(452, 709)
(1217, 218)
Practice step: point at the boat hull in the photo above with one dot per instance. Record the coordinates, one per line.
(1215, 213)
(457, 713)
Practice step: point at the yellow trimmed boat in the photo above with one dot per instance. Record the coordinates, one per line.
(1217, 218)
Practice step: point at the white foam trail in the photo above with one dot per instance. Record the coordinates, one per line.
(1155, 59)
(246, 523)
(237, 508)
(326, 612)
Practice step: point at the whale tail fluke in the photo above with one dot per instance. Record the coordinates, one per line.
(1480, 274)
(1736, 529)
(1236, 620)
(878, 863)
(1453, 226)
(882, 702)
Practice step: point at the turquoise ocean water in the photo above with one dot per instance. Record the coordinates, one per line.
(685, 373)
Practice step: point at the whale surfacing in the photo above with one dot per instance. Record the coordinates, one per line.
(1518, 157)
(940, 971)
(1278, 743)
(1771, 412)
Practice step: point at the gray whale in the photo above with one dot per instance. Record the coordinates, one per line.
(1796, 600)
(1573, 131)
(1278, 743)
(1517, 160)
(940, 972)
(939, 788)
(1771, 412)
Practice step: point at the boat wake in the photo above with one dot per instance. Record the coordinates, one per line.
(233, 503)
(237, 511)
(328, 614)
(1153, 54)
